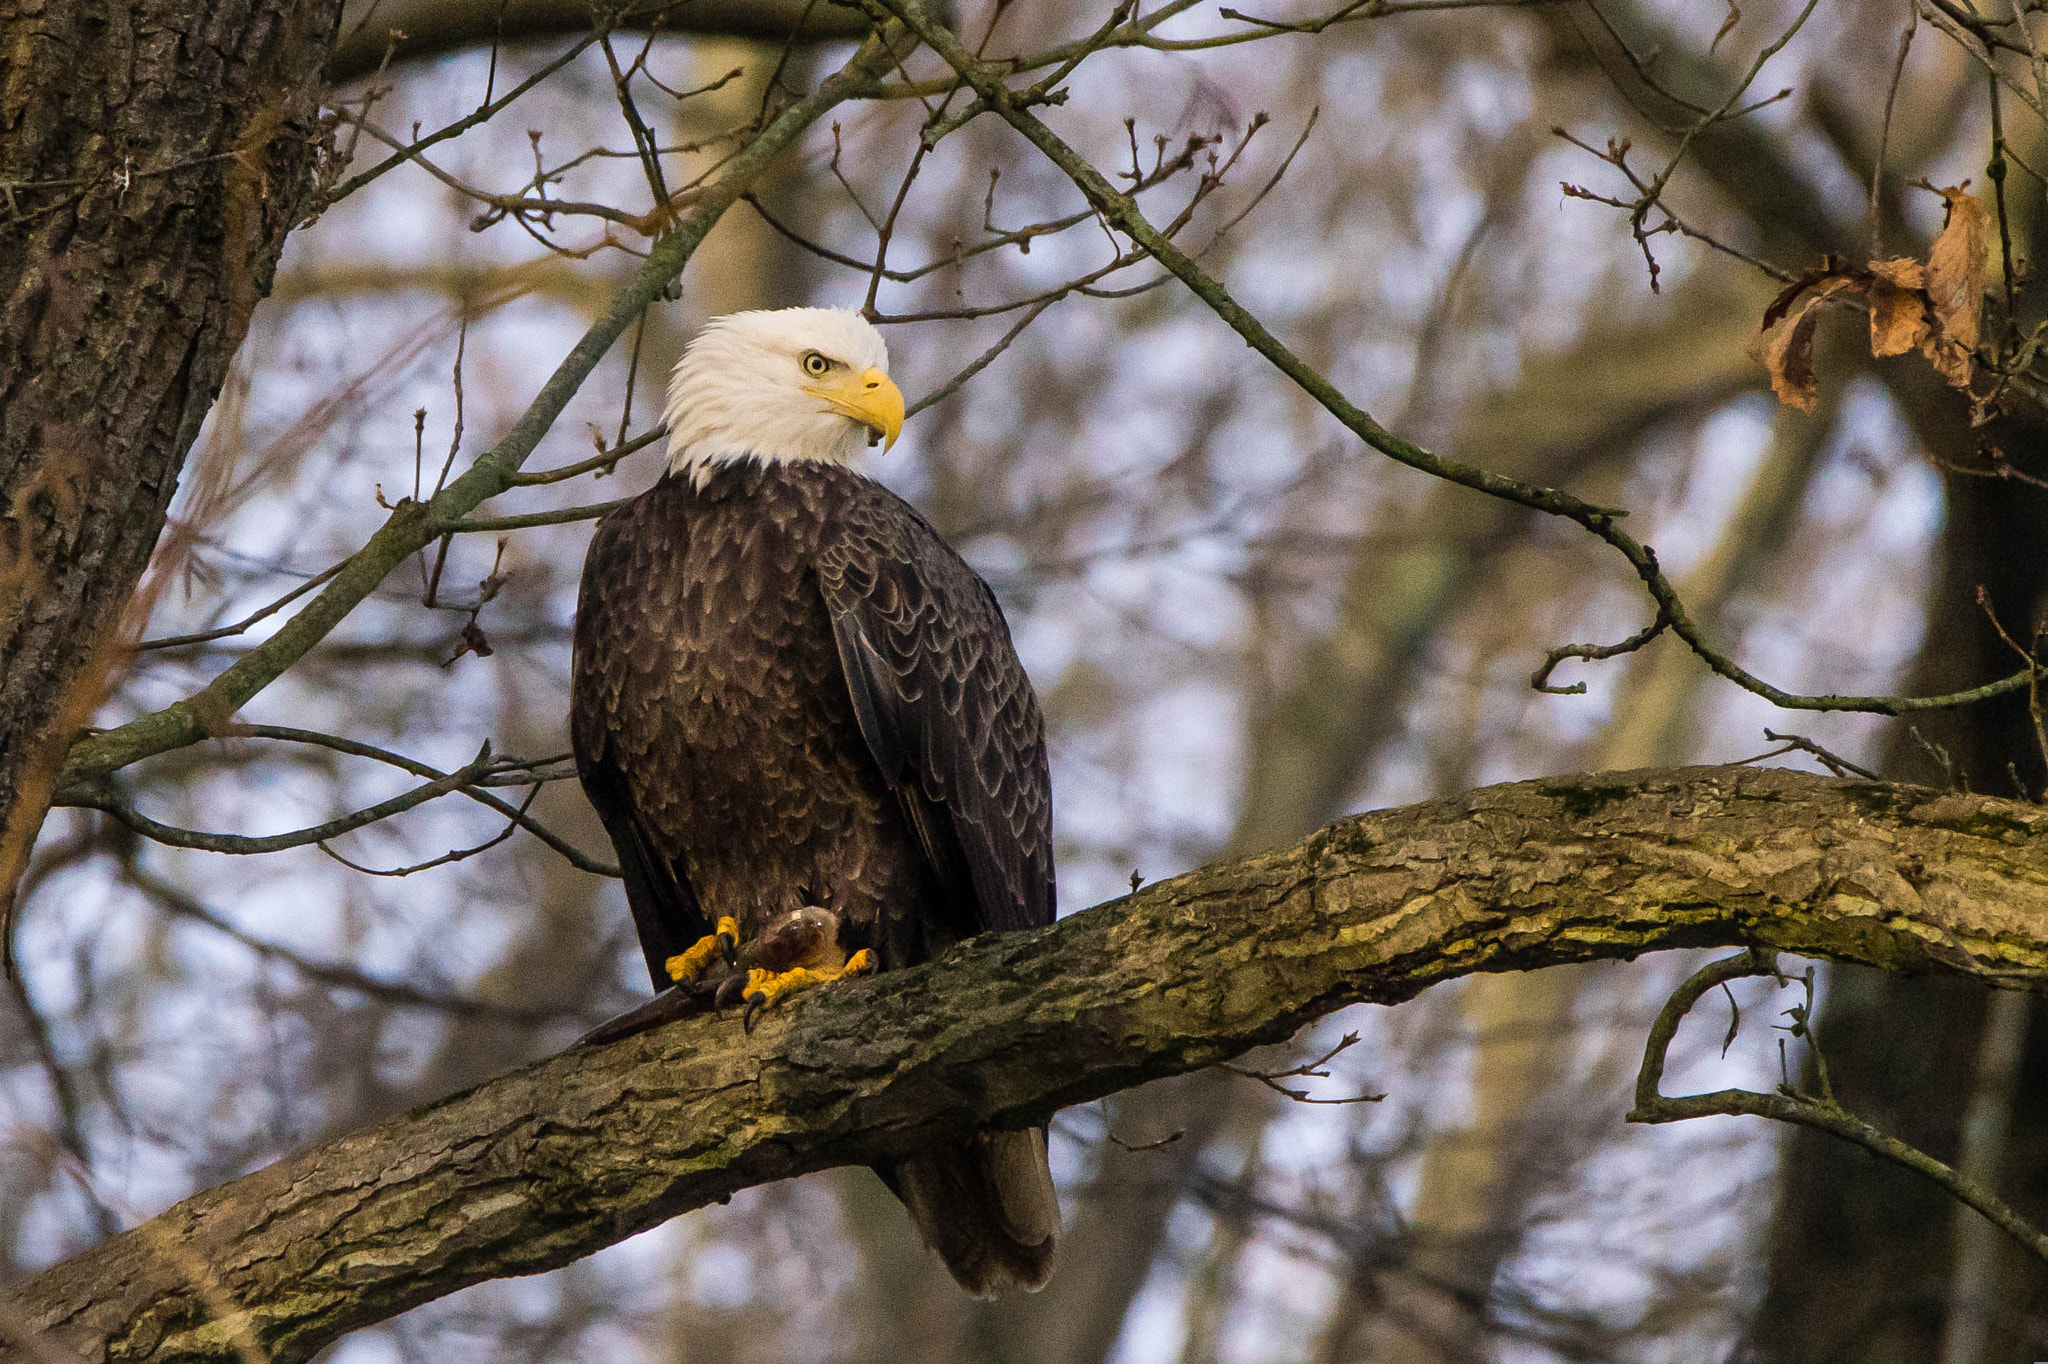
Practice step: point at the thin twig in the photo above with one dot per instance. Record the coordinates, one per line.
(887, 230)
(1995, 172)
(520, 208)
(1307, 1070)
(2033, 660)
(1540, 679)
(632, 374)
(603, 462)
(454, 854)
(561, 517)
(462, 125)
(1799, 743)
(1884, 137)
(629, 110)
(981, 361)
(1161, 1144)
(535, 770)
(104, 799)
(260, 615)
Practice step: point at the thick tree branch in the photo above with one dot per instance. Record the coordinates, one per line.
(434, 28)
(573, 1153)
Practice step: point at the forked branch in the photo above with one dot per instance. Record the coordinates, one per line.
(1822, 1111)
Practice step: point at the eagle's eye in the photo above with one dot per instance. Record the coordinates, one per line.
(815, 364)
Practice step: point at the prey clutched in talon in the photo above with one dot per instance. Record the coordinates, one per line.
(765, 987)
(720, 944)
(718, 972)
(797, 951)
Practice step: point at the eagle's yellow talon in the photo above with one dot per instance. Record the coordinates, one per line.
(765, 987)
(688, 965)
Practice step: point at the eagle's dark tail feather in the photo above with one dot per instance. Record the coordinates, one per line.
(987, 1207)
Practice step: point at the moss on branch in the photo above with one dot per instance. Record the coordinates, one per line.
(583, 1149)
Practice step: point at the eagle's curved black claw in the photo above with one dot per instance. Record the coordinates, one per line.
(755, 1004)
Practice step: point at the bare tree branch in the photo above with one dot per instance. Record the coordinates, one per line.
(552, 1162)
(1125, 216)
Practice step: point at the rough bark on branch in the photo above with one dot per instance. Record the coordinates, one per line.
(583, 1149)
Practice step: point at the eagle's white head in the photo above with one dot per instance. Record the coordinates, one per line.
(777, 384)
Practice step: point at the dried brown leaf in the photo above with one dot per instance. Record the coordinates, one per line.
(1955, 287)
(1829, 267)
(474, 641)
(1788, 352)
(1899, 319)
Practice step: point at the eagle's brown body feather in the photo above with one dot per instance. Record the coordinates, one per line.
(788, 690)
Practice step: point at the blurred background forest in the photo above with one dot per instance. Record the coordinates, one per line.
(1241, 625)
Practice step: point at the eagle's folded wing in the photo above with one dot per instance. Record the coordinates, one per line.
(945, 706)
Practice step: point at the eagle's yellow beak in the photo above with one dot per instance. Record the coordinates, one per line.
(871, 399)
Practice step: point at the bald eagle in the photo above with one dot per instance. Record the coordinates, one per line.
(801, 719)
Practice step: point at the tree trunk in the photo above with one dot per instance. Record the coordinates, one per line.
(152, 157)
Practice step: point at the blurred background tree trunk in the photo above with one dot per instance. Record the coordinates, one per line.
(1869, 1263)
(1538, 1068)
(1863, 1254)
